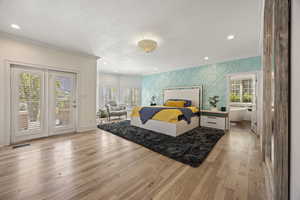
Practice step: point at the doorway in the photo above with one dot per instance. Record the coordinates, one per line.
(43, 103)
(245, 99)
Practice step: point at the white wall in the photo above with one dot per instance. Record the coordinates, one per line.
(25, 51)
(117, 81)
(295, 148)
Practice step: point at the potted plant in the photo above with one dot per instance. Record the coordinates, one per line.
(213, 101)
(153, 101)
(102, 113)
(234, 98)
(247, 98)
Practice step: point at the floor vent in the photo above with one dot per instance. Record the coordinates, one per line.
(20, 145)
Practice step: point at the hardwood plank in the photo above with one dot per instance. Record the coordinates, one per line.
(98, 165)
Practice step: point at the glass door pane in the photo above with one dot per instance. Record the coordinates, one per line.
(62, 99)
(27, 104)
(29, 114)
(63, 108)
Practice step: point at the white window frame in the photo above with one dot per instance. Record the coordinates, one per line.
(241, 91)
(122, 100)
(103, 88)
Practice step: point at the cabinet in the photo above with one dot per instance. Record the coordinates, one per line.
(214, 119)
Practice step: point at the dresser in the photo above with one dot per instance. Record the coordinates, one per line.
(215, 119)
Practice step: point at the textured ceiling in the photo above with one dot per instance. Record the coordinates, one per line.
(186, 30)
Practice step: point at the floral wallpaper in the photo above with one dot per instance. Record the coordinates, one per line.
(212, 77)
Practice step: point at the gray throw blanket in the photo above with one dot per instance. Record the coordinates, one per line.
(147, 113)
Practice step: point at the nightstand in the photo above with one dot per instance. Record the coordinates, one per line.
(214, 119)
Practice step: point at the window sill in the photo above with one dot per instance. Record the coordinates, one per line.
(240, 104)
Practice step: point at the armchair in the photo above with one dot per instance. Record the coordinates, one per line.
(114, 110)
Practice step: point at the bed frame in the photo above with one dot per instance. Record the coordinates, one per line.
(175, 129)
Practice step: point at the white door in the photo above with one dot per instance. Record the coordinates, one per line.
(28, 104)
(43, 103)
(62, 102)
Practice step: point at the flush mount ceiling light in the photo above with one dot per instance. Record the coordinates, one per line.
(206, 58)
(230, 37)
(15, 26)
(147, 45)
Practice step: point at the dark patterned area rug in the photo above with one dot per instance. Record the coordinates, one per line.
(189, 148)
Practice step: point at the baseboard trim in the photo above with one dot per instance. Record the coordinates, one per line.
(86, 128)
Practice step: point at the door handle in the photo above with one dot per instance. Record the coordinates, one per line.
(74, 104)
(212, 122)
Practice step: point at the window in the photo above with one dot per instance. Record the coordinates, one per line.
(127, 96)
(131, 96)
(110, 94)
(235, 91)
(124, 89)
(241, 91)
(247, 88)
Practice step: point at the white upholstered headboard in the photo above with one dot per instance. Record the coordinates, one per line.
(190, 93)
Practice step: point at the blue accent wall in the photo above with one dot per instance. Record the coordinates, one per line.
(212, 77)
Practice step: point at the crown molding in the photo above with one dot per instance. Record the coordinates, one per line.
(46, 45)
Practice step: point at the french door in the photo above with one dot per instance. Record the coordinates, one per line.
(62, 102)
(43, 103)
(28, 104)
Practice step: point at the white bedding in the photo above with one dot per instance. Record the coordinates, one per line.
(172, 129)
(194, 94)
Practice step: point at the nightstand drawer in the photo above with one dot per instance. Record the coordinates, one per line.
(213, 122)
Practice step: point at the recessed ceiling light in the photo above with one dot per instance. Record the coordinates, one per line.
(230, 37)
(206, 58)
(104, 63)
(15, 26)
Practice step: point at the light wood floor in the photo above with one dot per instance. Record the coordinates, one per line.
(97, 165)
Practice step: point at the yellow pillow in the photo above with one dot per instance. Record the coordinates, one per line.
(175, 103)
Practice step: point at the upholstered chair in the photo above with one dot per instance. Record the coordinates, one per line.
(115, 110)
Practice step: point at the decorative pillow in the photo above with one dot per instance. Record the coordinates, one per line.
(117, 108)
(175, 103)
(187, 103)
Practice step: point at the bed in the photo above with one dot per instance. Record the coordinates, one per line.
(174, 127)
